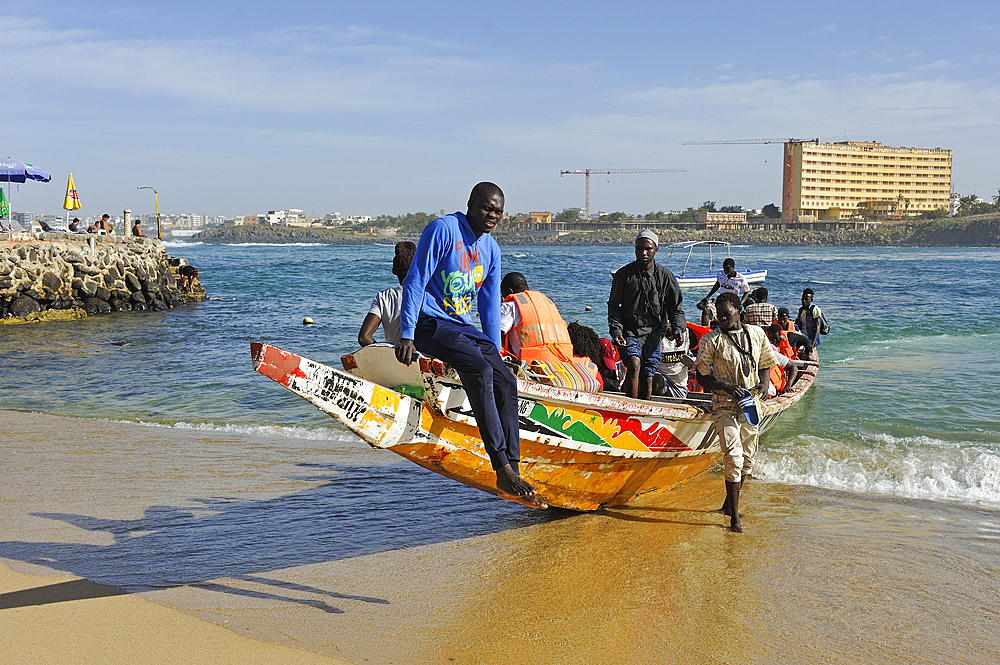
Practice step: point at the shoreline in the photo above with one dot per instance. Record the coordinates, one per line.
(975, 231)
(820, 574)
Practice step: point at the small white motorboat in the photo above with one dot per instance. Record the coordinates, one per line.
(700, 278)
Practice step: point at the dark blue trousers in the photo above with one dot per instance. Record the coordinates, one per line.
(489, 385)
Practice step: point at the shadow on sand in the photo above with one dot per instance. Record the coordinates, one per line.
(357, 512)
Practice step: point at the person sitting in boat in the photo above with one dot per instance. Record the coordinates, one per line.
(386, 304)
(730, 281)
(785, 320)
(587, 343)
(761, 313)
(798, 342)
(644, 306)
(671, 378)
(532, 329)
(786, 371)
(734, 362)
(707, 308)
(810, 318)
(456, 260)
(695, 333)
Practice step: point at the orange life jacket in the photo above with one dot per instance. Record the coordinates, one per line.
(778, 379)
(542, 332)
(785, 347)
(699, 331)
(791, 326)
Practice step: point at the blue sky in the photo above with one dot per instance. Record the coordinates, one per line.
(389, 107)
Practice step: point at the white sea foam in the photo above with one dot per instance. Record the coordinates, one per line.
(919, 467)
(284, 431)
(181, 243)
(289, 244)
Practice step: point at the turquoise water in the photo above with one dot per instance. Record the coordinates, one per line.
(905, 404)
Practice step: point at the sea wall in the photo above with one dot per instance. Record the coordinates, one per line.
(978, 231)
(63, 276)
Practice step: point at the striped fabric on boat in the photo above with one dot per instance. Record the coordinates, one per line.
(564, 375)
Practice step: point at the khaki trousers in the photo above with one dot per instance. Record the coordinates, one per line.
(738, 440)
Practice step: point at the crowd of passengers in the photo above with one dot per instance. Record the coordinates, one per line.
(652, 350)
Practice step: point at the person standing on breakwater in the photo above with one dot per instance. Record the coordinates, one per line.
(189, 275)
(457, 259)
(386, 306)
(643, 308)
(732, 361)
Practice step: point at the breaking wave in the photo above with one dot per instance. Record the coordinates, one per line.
(917, 467)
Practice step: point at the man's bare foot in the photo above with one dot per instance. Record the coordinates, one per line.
(735, 526)
(513, 487)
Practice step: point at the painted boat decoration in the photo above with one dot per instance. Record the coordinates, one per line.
(699, 278)
(581, 451)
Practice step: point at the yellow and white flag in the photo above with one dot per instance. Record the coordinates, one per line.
(72, 201)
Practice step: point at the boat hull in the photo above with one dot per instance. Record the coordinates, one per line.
(580, 451)
(707, 280)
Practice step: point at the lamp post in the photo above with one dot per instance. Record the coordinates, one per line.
(156, 207)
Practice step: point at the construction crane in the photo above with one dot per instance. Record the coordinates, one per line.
(587, 173)
(786, 165)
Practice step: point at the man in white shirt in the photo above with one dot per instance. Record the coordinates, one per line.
(729, 281)
(387, 305)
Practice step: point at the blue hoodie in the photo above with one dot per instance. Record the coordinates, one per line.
(450, 267)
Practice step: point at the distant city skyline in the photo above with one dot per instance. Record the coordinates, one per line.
(391, 107)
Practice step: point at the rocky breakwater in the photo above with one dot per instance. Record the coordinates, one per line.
(64, 276)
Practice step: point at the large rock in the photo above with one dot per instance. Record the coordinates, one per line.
(96, 306)
(52, 281)
(137, 297)
(103, 293)
(132, 283)
(86, 289)
(23, 306)
(72, 257)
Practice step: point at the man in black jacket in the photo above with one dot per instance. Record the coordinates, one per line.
(644, 307)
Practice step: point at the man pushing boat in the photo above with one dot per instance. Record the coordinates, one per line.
(457, 259)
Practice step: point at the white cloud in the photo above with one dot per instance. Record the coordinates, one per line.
(289, 70)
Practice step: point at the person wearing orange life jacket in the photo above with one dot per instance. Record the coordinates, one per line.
(784, 319)
(532, 328)
(786, 372)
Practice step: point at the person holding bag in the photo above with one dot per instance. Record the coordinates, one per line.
(734, 362)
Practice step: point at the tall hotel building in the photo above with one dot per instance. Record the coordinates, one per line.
(832, 181)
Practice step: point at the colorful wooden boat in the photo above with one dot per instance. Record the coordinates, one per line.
(581, 451)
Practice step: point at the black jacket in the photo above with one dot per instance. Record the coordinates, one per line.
(635, 311)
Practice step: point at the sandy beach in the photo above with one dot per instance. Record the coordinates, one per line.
(180, 532)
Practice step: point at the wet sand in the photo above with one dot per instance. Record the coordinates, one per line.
(341, 550)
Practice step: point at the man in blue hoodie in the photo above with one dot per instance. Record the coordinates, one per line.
(456, 259)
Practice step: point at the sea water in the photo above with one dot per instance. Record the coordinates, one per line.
(905, 403)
